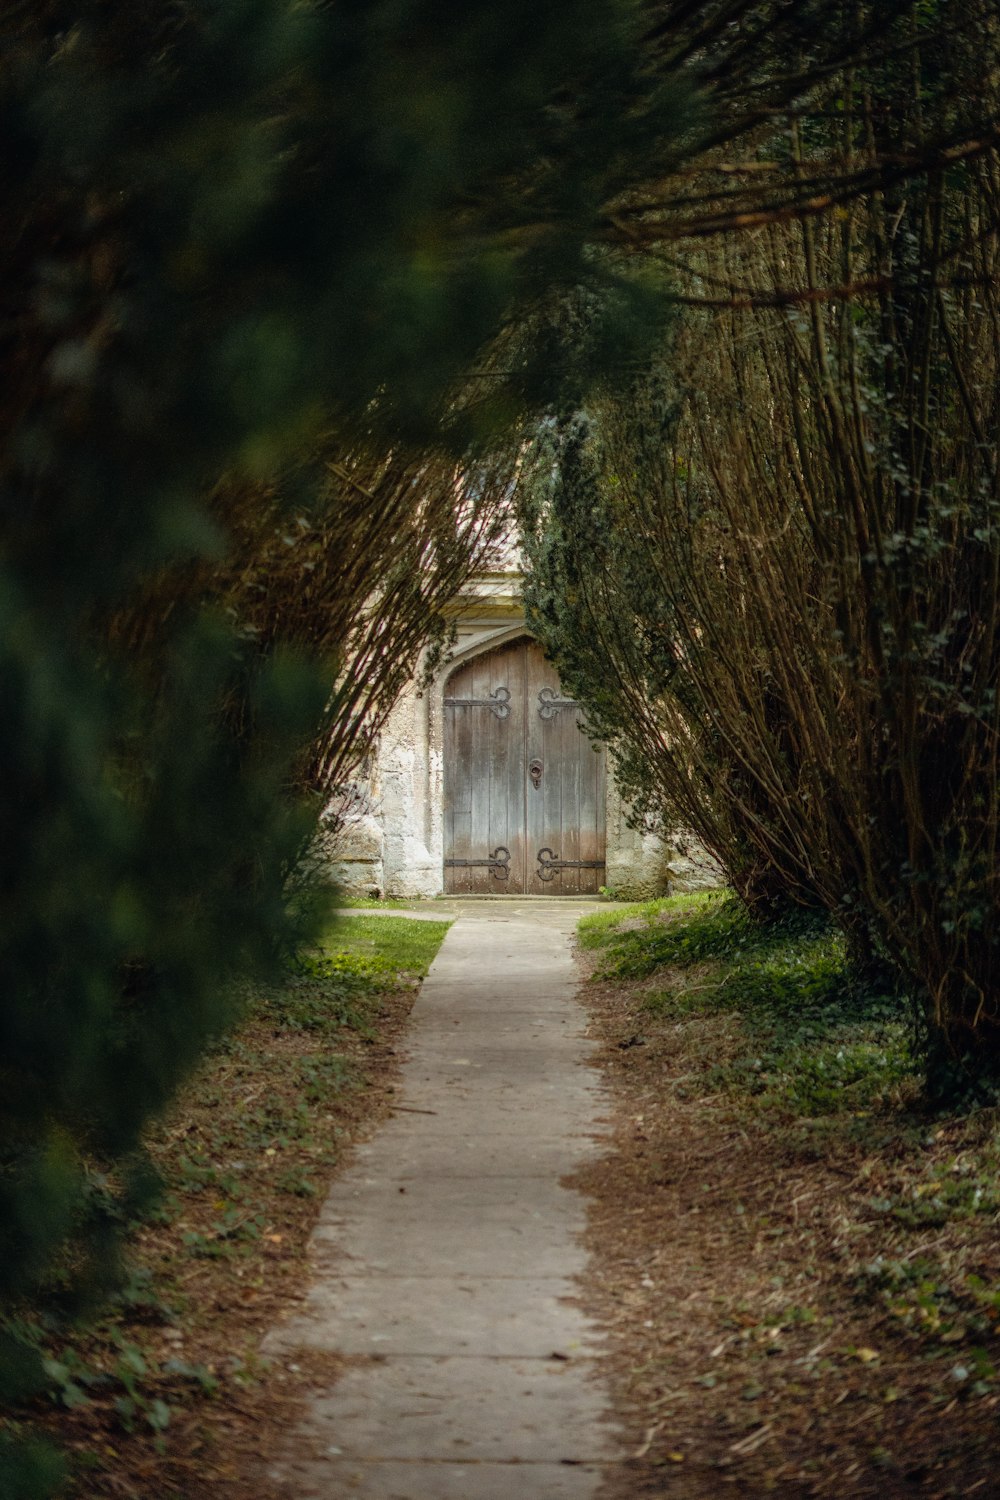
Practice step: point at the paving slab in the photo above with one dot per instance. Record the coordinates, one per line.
(455, 1001)
(446, 1201)
(533, 1114)
(452, 1018)
(502, 1316)
(444, 1259)
(437, 1154)
(552, 1060)
(337, 1480)
(393, 1411)
(430, 1238)
(515, 1253)
(537, 1098)
(519, 980)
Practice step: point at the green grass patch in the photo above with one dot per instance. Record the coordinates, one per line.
(676, 930)
(382, 945)
(812, 1040)
(603, 927)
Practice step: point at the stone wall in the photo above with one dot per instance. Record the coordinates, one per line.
(395, 843)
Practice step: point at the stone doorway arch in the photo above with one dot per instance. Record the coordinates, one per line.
(524, 789)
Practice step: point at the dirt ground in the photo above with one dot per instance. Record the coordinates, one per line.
(772, 1326)
(224, 1262)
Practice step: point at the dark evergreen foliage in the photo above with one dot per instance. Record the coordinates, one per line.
(230, 228)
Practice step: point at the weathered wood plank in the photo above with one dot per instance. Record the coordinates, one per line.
(505, 711)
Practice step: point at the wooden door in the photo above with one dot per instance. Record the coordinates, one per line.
(523, 786)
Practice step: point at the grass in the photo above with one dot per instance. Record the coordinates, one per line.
(602, 927)
(385, 945)
(147, 1399)
(810, 1040)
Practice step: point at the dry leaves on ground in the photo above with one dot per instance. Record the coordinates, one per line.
(776, 1323)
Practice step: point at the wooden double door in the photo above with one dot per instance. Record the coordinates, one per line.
(524, 789)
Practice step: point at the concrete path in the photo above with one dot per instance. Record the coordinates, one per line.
(445, 1258)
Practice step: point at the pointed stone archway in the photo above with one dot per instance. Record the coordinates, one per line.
(400, 848)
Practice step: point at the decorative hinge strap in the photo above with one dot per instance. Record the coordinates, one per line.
(498, 702)
(549, 863)
(550, 703)
(498, 862)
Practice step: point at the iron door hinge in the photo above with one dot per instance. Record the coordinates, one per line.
(499, 866)
(547, 866)
(498, 703)
(550, 703)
